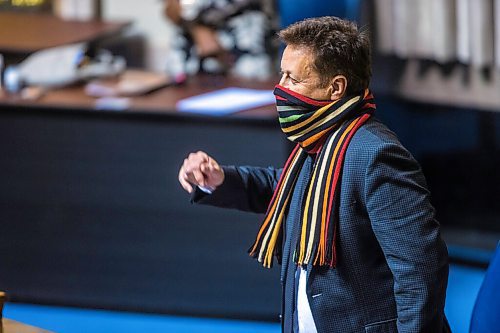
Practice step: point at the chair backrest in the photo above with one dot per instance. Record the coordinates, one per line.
(486, 313)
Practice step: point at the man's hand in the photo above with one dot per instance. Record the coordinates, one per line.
(172, 10)
(206, 40)
(199, 169)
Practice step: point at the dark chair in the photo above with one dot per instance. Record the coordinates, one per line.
(486, 313)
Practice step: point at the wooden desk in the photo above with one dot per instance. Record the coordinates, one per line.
(92, 213)
(12, 326)
(160, 102)
(25, 33)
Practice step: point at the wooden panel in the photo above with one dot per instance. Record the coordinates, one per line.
(92, 214)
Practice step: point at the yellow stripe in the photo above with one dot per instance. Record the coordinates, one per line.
(303, 258)
(328, 185)
(304, 221)
(314, 138)
(321, 168)
(278, 199)
(272, 243)
(274, 221)
(326, 119)
(310, 119)
(266, 221)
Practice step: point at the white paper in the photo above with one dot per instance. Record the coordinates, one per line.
(112, 103)
(226, 101)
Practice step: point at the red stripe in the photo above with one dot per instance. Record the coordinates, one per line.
(303, 98)
(359, 123)
(285, 169)
(319, 144)
(264, 225)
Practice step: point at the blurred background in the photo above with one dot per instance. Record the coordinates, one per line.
(95, 233)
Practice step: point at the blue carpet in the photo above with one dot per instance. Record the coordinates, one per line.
(72, 320)
(463, 286)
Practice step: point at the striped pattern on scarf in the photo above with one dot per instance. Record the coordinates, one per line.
(322, 128)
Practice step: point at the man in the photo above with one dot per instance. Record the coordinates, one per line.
(348, 216)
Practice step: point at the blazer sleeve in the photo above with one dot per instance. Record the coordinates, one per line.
(402, 218)
(244, 188)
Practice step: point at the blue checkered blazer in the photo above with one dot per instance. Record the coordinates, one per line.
(392, 265)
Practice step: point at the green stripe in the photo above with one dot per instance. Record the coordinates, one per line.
(291, 108)
(289, 118)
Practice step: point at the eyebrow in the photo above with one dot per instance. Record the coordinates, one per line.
(293, 77)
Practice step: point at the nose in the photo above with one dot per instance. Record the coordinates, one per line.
(283, 80)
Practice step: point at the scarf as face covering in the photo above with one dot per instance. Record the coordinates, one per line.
(324, 129)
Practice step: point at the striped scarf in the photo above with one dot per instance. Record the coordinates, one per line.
(323, 129)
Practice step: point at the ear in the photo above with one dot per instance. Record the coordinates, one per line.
(338, 87)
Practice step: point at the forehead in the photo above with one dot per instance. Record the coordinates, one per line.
(296, 59)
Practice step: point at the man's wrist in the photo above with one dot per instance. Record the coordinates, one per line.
(206, 189)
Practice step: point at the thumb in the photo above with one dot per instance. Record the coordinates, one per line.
(216, 174)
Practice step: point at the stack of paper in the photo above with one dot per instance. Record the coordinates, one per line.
(226, 101)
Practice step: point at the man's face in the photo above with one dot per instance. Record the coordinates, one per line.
(299, 75)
